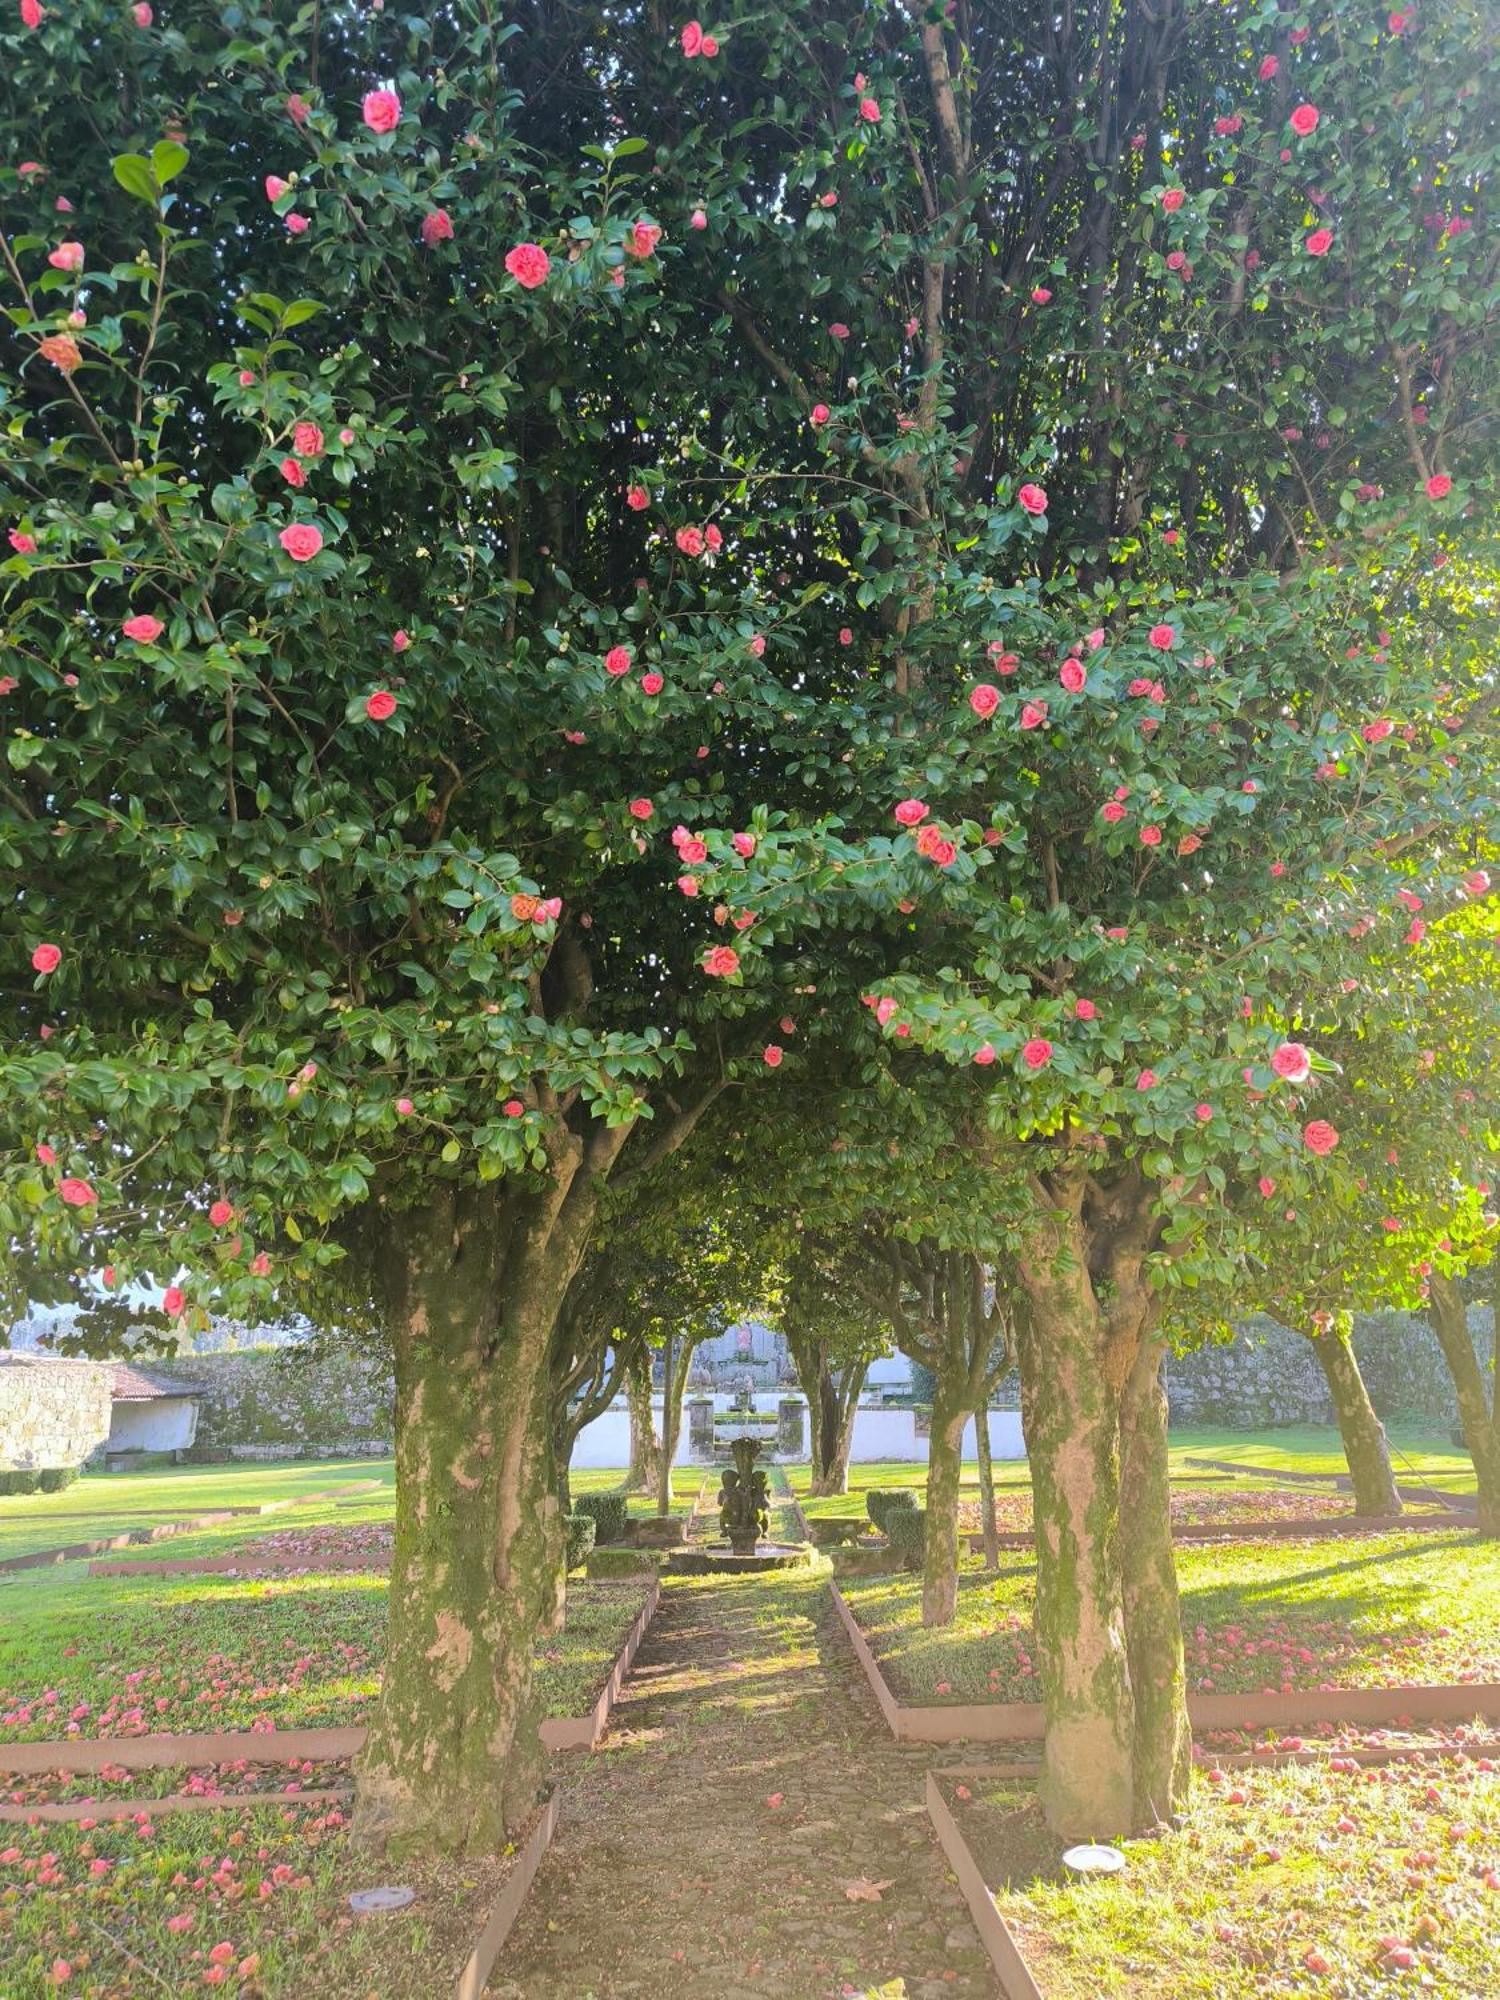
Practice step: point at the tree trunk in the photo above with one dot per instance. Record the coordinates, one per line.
(836, 1478)
(1361, 1430)
(673, 1385)
(1085, 1312)
(944, 1474)
(1478, 1413)
(471, 1285)
(645, 1451)
(826, 1428)
(987, 1521)
(1163, 1750)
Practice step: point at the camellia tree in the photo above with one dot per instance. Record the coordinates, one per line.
(833, 1337)
(1163, 342)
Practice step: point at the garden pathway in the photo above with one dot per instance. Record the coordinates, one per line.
(748, 1830)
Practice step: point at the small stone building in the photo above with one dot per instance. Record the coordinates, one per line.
(150, 1411)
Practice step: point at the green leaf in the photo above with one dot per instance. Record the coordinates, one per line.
(136, 177)
(627, 147)
(299, 311)
(167, 160)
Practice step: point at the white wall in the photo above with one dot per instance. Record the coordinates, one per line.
(166, 1423)
(878, 1434)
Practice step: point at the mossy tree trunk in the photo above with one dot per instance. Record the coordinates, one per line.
(1362, 1432)
(645, 1448)
(1478, 1412)
(471, 1284)
(835, 1478)
(832, 1401)
(1084, 1314)
(987, 1522)
(678, 1355)
(950, 1413)
(1162, 1758)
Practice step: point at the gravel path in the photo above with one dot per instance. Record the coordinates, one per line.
(709, 1848)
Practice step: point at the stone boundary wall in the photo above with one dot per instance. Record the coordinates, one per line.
(284, 1402)
(52, 1412)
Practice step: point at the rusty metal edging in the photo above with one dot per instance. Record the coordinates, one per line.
(246, 1565)
(190, 1524)
(582, 1732)
(1011, 1969)
(480, 1963)
(113, 1809)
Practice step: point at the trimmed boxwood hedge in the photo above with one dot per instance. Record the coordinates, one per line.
(906, 1531)
(881, 1502)
(610, 1513)
(580, 1529)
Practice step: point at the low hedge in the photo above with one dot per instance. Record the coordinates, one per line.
(580, 1529)
(882, 1502)
(44, 1479)
(906, 1531)
(622, 1561)
(610, 1513)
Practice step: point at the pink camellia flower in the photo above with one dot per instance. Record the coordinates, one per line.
(984, 699)
(1162, 637)
(293, 472)
(1319, 1137)
(757, 645)
(1037, 1053)
(713, 536)
(1072, 675)
(743, 845)
(1151, 836)
(1033, 499)
(641, 809)
(1269, 67)
(1439, 486)
(437, 227)
(692, 39)
(1040, 296)
(617, 661)
(1113, 811)
(1146, 1080)
(688, 884)
(298, 225)
(172, 1301)
(260, 1265)
(1095, 639)
(1319, 243)
(1292, 1061)
(1304, 120)
(22, 543)
(1033, 714)
(221, 1214)
(302, 540)
(637, 499)
(1477, 884)
(276, 187)
(529, 265)
(46, 958)
(66, 257)
(846, 635)
(76, 1193)
(837, 330)
(307, 440)
(690, 541)
(818, 415)
(144, 629)
(641, 239)
(721, 961)
(771, 1056)
(247, 378)
(1267, 1186)
(869, 110)
(1377, 731)
(47, 1154)
(404, 1107)
(1172, 199)
(381, 110)
(400, 641)
(381, 705)
(652, 683)
(984, 1055)
(31, 13)
(911, 812)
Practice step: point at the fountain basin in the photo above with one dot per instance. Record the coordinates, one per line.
(719, 1559)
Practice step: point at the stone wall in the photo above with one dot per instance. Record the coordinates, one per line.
(283, 1402)
(1268, 1376)
(52, 1412)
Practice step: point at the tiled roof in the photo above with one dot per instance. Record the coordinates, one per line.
(134, 1385)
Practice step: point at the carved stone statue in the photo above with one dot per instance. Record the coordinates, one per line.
(744, 1498)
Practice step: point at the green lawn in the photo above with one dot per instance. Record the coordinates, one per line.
(686, 1480)
(1416, 1454)
(1298, 1880)
(131, 1655)
(259, 1891)
(1257, 1616)
(113, 1503)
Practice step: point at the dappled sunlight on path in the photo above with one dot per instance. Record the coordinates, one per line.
(747, 1830)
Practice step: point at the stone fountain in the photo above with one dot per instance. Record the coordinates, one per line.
(744, 1516)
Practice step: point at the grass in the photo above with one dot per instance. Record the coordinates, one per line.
(1297, 1880)
(124, 1656)
(686, 1479)
(1417, 1454)
(1382, 1611)
(250, 1898)
(113, 1503)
